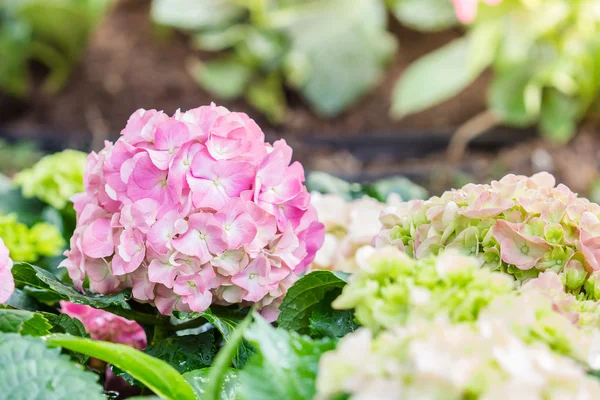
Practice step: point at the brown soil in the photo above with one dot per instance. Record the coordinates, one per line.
(128, 66)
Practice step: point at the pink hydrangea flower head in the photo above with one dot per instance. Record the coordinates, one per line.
(191, 210)
(102, 325)
(520, 225)
(7, 282)
(466, 10)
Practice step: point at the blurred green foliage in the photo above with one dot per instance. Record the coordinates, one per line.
(546, 61)
(52, 32)
(331, 51)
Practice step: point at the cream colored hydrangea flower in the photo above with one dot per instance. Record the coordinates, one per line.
(442, 361)
(350, 227)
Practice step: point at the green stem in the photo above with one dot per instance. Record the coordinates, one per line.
(223, 360)
(160, 332)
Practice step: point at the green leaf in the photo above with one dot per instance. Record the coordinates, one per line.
(22, 301)
(62, 323)
(185, 353)
(195, 14)
(338, 50)
(29, 370)
(268, 97)
(199, 379)
(14, 37)
(303, 297)
(226, 321)
(226, 77)
(325, 183)
(285, 366)
(507, 98)
(434, 78)
(559, 115)
(28, 211)
(324, 321)
(217, 374)
(220, 39)
(46, 285)
(424, 15)
(156, 374)
(23, 322)
(400, 185)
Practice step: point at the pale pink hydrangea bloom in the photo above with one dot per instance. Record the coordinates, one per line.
(102, 325)
(192, 210)
(466, 10)
(7, 282)
(349, 229)
(521, 225)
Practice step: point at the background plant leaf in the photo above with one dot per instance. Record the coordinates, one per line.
(424, 15)
(506, 97)
(434, 78)
(195, 14)
(338, 50)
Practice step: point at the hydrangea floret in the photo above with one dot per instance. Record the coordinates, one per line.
(7, 282)
(349, 228)
(440, 360)
(519, 225)
(103, 325)
(29, 244)
(55, 178)
(191, 210)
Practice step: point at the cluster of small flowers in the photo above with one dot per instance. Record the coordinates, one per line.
(466, 10)
(191, 210)
(30, 244)
(55, 178)
(102, 325)
(349, 228)
(520, 225)
(7, 282)
(439, 360)
(392, 290)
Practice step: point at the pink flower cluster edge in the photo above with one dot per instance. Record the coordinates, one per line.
(102, 325)
(193, 210)
(7, 282)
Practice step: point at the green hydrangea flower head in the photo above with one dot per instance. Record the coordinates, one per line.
(55, 178)
(29, 244)
(392, 289)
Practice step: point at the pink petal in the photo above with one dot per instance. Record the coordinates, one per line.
(97, 241)
(522, 251)
(171, 135)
